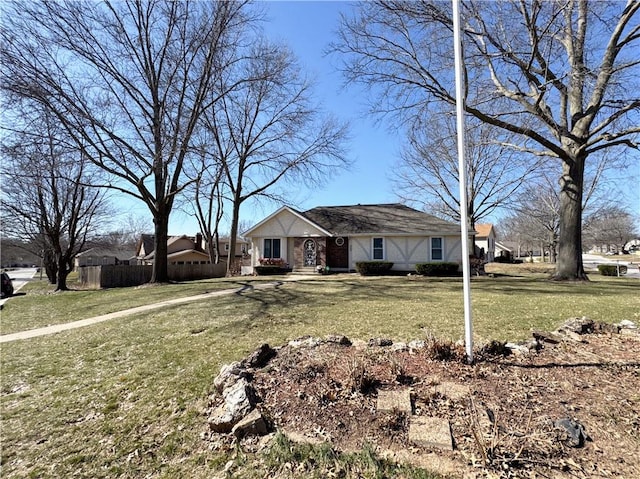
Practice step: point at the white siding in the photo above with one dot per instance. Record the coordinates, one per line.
(285, 225)
(404, 251)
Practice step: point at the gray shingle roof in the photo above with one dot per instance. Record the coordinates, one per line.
(378, 219)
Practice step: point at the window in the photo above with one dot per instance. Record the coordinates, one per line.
(271, 248)
(378, 248)
(226, 246)
(436, 249)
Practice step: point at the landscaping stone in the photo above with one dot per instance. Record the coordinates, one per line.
(399, 347)
(582, 325)
(547, 338)
(338, 339)
(390, 401)
(306, 341)
(416, 345)
(380, 342)
(229, 375)
(253, 424)
(518, 348)
(627, 324)
(575, 433)
(432, 432)
(239, 399)
(452, 390)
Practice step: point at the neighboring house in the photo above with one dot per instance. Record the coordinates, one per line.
(242, 247)
(180, 250)
(103, 256)
(503, 249)
(340, 236)
(485, 241)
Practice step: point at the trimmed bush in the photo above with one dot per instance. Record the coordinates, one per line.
(611, 269)
(270, 269)
(373, 268)
(437, 269)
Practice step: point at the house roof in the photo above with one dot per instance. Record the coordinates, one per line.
(392, 218)
(121, 254)
(484, 230)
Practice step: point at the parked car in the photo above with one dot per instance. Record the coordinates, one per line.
(7, 286)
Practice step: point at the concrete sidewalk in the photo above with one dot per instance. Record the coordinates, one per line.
(56, 328)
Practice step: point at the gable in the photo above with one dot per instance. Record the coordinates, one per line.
(285, 222)
(485, 230)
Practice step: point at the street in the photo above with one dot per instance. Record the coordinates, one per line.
(20, 277)
(591, 262)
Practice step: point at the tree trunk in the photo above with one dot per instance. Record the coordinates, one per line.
(569, 266)
(235, 219)
(160, 264)
(63, 272)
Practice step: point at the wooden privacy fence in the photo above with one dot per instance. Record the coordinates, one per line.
(117, 276)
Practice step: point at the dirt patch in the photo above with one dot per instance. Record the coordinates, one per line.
(506, 412)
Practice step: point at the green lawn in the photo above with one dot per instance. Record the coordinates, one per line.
(125, 398)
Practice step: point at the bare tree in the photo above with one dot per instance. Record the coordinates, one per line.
(535, 217)
(129, 80)
(428, 171)
(561, 76)
(613, 226)
(268, 130)
(46, 200)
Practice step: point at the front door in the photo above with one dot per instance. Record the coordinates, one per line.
(309, 247)
(338, 252)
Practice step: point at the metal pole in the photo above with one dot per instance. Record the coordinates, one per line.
(462, 178)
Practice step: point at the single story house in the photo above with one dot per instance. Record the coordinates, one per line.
(98, 256)
(338, 237)
(485, 242)
(180, 250)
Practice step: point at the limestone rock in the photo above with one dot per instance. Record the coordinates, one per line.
(239, 399)
(229, 374)
(253, 424)
(582, 325)
(306, 341)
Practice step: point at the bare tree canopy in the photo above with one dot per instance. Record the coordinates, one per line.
(563, 76)
(427, 173)
(268, 131)
(129, 80)
(45, 198)
(609, 228)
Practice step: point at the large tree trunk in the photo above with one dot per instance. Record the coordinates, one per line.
(160, 264)
(63, 272)
(569, 265)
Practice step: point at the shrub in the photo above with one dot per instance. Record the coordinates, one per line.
(372, 268)
(437, 269)
(502, 259)
(611, 269)
(267, 270)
